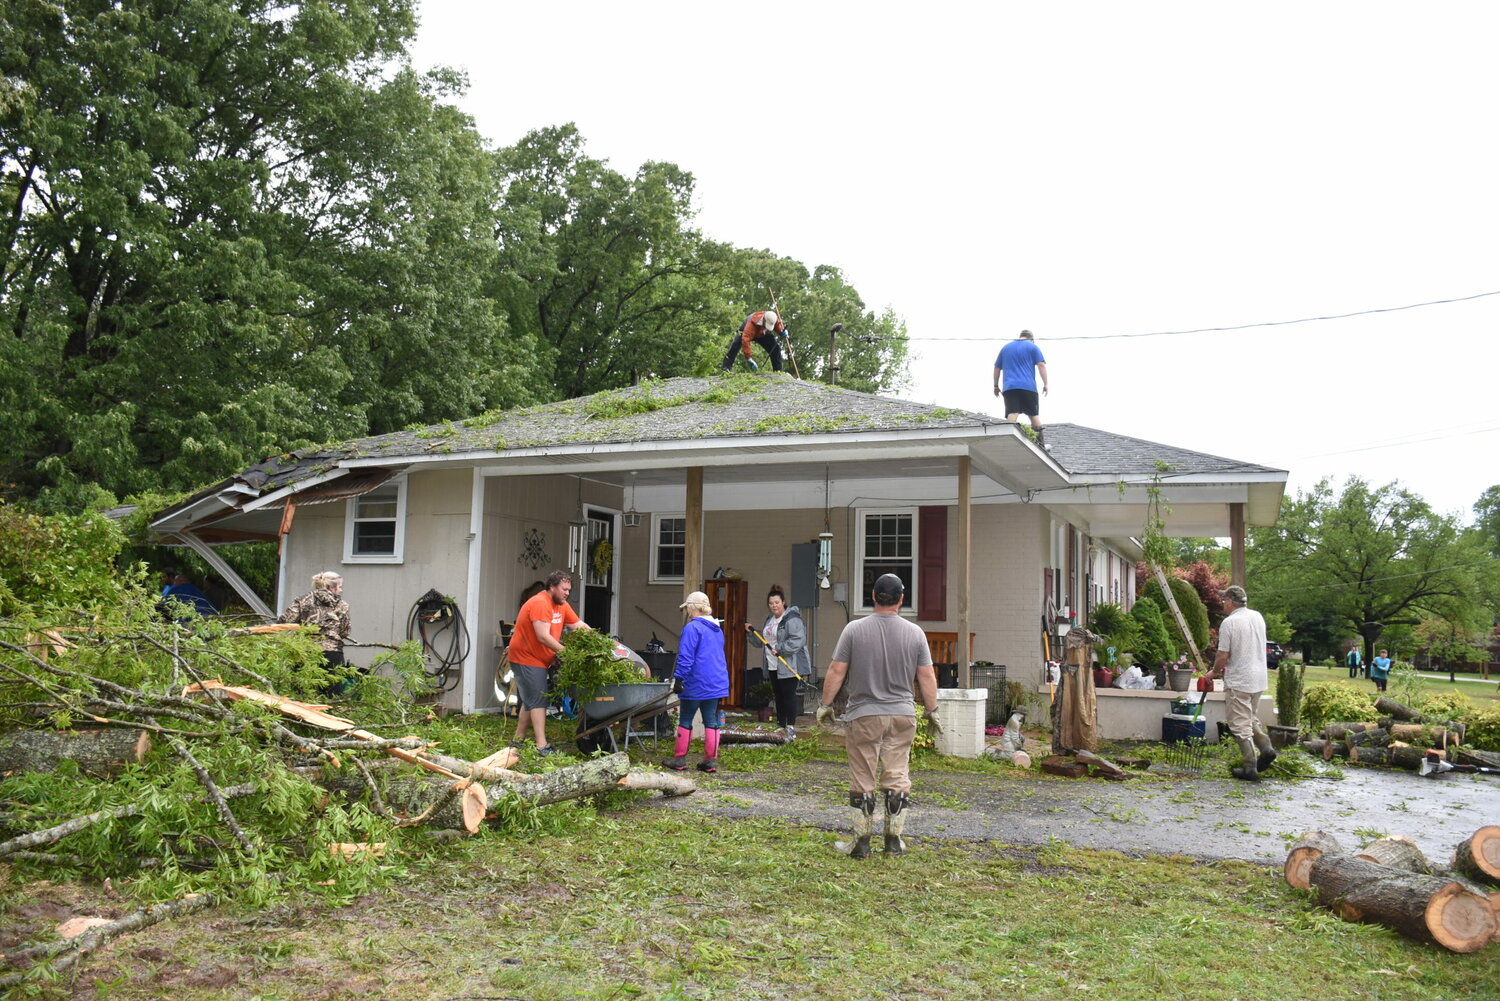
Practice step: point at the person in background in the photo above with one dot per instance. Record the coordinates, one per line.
(884, 658)
(217, 593)
(185, 594)
(786, 657)
(1355, 661)
(704, 676)
(324, 607)
(534, 647)
(1380, 670)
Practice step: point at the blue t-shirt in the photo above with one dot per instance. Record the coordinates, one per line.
(1380, 667)
(1018, 360)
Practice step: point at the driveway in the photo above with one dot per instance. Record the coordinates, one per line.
(1206, 818)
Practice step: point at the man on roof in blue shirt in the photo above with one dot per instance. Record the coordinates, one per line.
(1020, 361)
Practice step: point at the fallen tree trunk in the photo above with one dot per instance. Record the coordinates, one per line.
(730, 735)
(1478, 857)
(1376, 736)
(1396, 709)
(1426, 908)
(648, 779)
(1306, 850)
(100, 753)
(1399, 853)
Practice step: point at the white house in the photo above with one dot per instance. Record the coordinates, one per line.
(786, 482)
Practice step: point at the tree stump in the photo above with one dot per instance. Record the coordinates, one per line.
(1425, 908)
(1306, 850)
(1399, 853)
(1369, 755)
(1479, 857)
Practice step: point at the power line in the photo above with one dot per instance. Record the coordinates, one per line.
(1242, 326)
(1373, 580)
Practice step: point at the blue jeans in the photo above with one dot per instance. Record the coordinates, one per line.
(688, 708)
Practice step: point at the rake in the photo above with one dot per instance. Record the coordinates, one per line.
(1187, 756)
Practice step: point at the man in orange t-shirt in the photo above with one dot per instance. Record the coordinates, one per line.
(533, 648)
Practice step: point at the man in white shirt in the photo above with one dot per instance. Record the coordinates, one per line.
(1242, 664)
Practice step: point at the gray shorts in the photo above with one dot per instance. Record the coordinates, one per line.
(531, 683)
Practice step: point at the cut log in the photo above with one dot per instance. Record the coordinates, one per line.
(1341, 731)
(669, 783)
(1478, 858)
(1397, 852)
(730, 735)
(1306, 850)
(1369, 755)
(1067, 768)
(1375, 736)
(1406, 756)
(101, 753)
(1428, 735)
(1427, 908)
(1393, 708)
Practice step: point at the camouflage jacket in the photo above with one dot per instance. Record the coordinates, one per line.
(327, 611)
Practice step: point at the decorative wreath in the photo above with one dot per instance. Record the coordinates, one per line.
(603, 557)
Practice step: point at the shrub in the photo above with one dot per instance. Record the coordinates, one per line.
(1192, 610)
(1484, 727)
(1155, 643)
(1289, 693)
(63, 561)
(1446, 706)
(1337, 702)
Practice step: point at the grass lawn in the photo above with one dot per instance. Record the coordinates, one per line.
(636, 900)
(1470, 685)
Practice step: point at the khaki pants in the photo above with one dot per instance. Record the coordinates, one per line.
(883, 743)
(1239, 711)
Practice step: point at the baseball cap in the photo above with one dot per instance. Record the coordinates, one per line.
(697, 599)
(889, 589)
(1234, 593)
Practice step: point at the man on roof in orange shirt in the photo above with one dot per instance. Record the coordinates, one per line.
(759, 328)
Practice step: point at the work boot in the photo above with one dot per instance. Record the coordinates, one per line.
(1267, 752)
(895, 821)
(862, 812)
(1247, 771)
(1041, 440)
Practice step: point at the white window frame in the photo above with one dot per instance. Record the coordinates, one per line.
(657, 517)
(351, 517)
(863, 602)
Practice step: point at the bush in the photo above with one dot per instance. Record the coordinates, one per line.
(1447, 706)
(62, 561)
(1484, 727)
(1289, 693)
(1192, 608)
(1337, 702)
(1155, 643)
(1117, 629)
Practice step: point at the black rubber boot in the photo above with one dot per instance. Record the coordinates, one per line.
(1267, 752)
(862, 812)
(1247, 771)
(895, 821)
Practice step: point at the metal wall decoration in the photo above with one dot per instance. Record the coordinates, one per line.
(533, 549)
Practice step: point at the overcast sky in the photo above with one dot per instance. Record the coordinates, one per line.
(1081, 170)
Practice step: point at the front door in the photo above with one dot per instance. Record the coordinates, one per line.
(599, 587)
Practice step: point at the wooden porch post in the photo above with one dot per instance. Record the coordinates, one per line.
(963, 648)
(1237, 543)
(692, 553)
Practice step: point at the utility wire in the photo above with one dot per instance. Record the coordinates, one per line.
(1374, 580)
(1242, 326)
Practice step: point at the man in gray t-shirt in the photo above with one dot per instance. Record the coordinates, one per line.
(883, 658)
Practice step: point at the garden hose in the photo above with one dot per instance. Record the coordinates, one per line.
(436, 620)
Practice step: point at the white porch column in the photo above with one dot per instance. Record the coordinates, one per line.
(1237, 544)
(963, 648)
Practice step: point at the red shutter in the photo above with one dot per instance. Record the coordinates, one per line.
(932, 563)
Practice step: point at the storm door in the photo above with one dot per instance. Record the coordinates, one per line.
(600, 571)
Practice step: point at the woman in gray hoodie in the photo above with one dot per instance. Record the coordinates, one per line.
(786, 656)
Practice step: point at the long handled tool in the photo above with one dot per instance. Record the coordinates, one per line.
(766, 643)
(1433, 763)
(786, 338)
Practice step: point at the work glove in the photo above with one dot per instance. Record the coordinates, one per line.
(676, 686)
(824, 714)
(934, 725)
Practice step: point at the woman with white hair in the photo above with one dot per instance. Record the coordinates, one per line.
(704, 676)
(325, 608)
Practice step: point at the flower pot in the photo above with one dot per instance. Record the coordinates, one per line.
(1102, 678)
(764, 714)
(1179, 679)
(1283, 736)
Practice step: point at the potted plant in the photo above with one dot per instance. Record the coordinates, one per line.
(1180, 674)
(1289, 689)
(758, 697)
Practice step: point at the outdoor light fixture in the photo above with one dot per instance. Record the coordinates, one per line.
(825, 558)
(632, 516)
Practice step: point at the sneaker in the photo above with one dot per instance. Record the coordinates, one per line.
(676, 764)
(546, 752)
(517, 743)
(791, 733)
(709, 765)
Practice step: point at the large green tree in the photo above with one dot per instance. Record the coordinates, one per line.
(231, 228)
(1361, 560)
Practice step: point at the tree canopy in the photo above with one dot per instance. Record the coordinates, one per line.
(1363, 560)
(234, 229)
